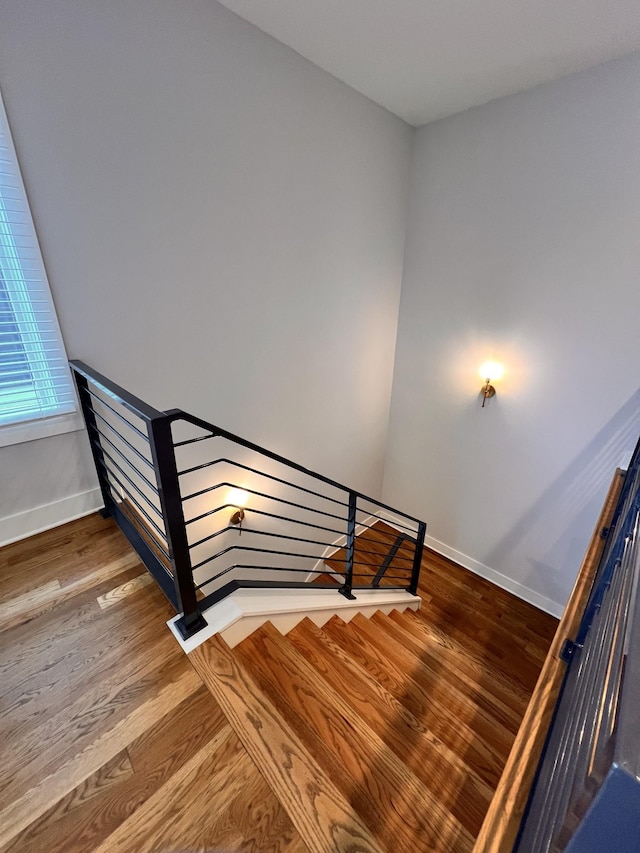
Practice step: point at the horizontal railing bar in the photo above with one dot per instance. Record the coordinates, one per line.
(258, 494)
(142, 528)
(260, 533)
(134, 404)
(292, 520)
(130, 481)
(258, 551)
(396, 556)
(281, 553)
(278, 569)
(123, 439)
(248, 566)
(179, 415)
(359, 553)
(153, 487)
(131, 498)
(387, 577)
(262, 474)
(231, 587)
(142, 434)
(267, 514)
(384, 521)
(160, 572)
(187, 441)
(234, 585)
(354, 575)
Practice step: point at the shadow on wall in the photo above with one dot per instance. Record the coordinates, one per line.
(566, 513)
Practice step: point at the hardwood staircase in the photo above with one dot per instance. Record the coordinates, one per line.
(389, 733)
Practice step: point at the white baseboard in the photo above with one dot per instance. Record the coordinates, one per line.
(518, 589)
(41, 518)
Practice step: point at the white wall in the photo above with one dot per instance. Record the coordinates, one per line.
(523, 246)
(223, 227)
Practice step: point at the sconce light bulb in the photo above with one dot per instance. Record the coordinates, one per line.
(491, 371)
(238, 497)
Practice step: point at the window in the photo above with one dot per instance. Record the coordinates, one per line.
(36, 390)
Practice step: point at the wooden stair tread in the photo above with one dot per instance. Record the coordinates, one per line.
(380, 786)
(451, 677)
(322, 816)
(445, 586)
(498, 652)
(436, 689)
(507, 690)
(481, 758)
(495, 634)
(447, 776)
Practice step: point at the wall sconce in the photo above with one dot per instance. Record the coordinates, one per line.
(237, 498)
(490, 371)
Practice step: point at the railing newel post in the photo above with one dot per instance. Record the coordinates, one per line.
(417, 558)
(347, 588)
(164, 461)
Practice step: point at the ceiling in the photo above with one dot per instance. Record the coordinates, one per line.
(425, 59)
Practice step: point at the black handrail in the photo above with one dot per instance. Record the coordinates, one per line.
(165, 544)
(217, 432)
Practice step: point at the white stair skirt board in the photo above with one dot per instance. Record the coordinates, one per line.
(245, 610)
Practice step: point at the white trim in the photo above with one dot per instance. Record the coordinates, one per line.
(246, 610)
(518, 589)
(41, 518)
(41, 428)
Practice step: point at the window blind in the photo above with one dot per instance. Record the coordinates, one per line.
(35, 381)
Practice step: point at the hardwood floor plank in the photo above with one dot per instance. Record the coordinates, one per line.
(22, 811)
(320, 814)
(33, 603)
(53, 635)
(437, 691)
(478, 628)
(63, 552)
(103, 709)
(116, 595)
(519, 668)
(149, 828)
(76, 824)
(255, 820)
(78, 723)
(14, 610)
(371, 773)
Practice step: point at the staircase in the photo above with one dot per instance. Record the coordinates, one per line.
(380, 734)
(388, 733)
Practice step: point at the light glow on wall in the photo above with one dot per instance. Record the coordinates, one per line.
(238, 497)
(491, 370)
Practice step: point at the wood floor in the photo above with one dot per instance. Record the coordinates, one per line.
(110, 740)
(378, 735)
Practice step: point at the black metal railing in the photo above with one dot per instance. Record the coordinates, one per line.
(209, 512)
(586, 795)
